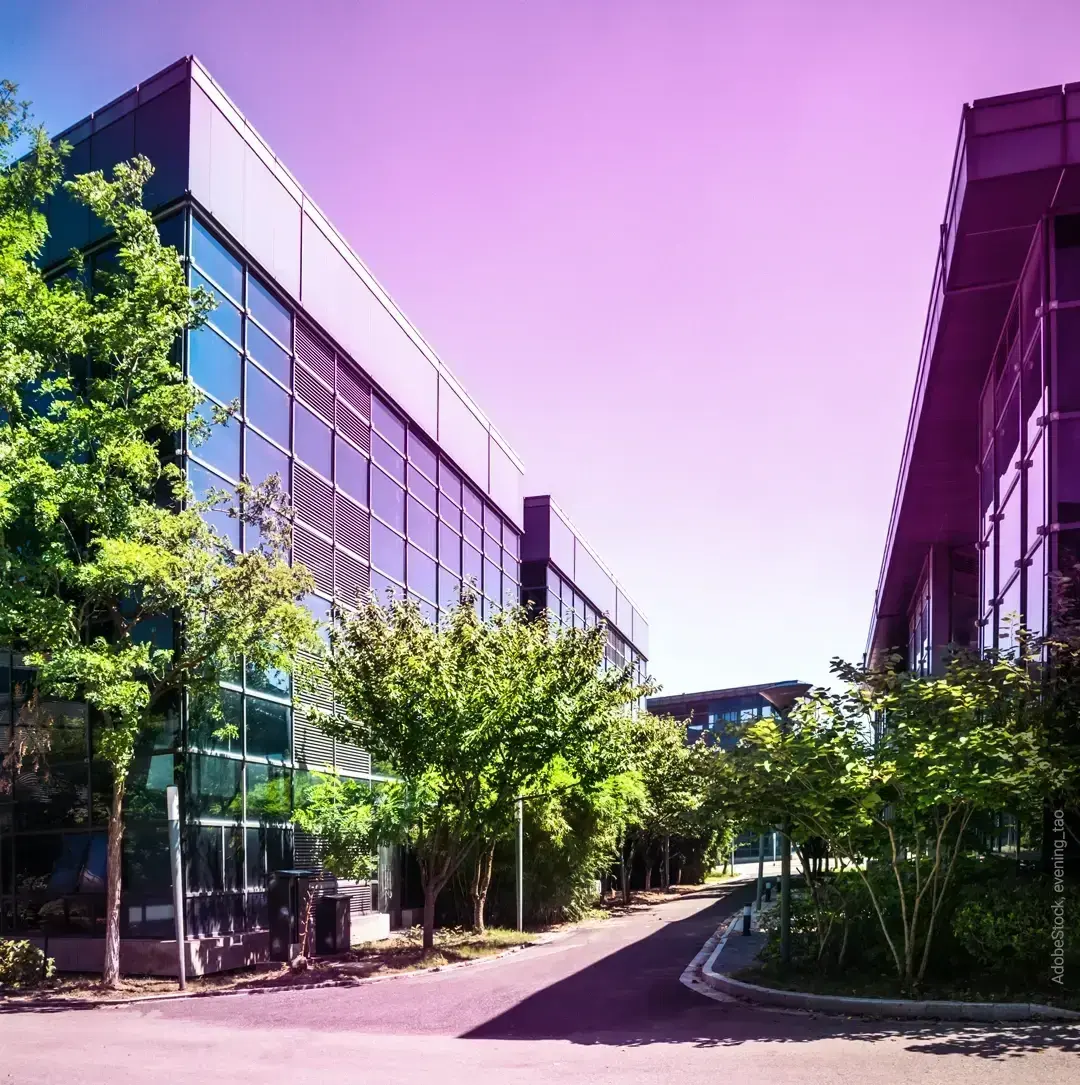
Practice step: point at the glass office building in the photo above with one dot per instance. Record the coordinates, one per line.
(560, 572)
(715, 715)
(399, 484)
(987, 503)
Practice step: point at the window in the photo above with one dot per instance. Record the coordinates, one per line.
(492, 550)
(216, 261)
(1009, 548)
(269, 792)
(473, 564)
(423, 456)
(472, 532)
(221, 446)
(492, 581)
(213, 365)
(387, 500)
(450, 483)
(384, 589)
(269, 312)
(224, 316)
(203, 483)
(387, 458)
(264, 460)
(213, 786)
(387, 551)
(450, 548)
(204, 853)
(421, 488)
(351, 471)
(312, 440)
(267, 406)
(492, 523)
(422, 529)
(421, 574)
(1036, 494)
(511, 542)
(450, 512)
(449, 590)
(473, 505)
(268, 354)
(1035, 614)
(203, 722)
(388, 424)
(272, 680)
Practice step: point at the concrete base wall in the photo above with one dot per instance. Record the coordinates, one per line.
(369, 927)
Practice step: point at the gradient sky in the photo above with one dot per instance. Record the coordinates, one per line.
(679, 252)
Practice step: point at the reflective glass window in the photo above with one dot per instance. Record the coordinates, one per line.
(1009, 534)
(272, 680)
(268, 354)
(213, 365)
(472, 532)
(387, 499)
(387, 551)
(421, 574)
(493, 523)
(473, 564)
(269, 792)
(511, 542)
(511, 568)
(263, 460)
(204, 859)
(450, 482)
(492, 549)
(473, 505)
(492, 581)
(221, 448)
(449, 590)
(387, 458)
(267, 728)
(422, 526)
(216, 721)
(450, 548)
(351, 471)
(216, 261)
(213, 787)
(269, 312)
(1009, 615)
(312, 440)
(450, 512)
(225, 316)
(267, 405)
(386, 421)
(423, 456)
(203, 483)
(1036, 493)
(1035, 614)
(383, 589)
(421, 488)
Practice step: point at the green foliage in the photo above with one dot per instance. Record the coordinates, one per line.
(341, 815)
(22, 964)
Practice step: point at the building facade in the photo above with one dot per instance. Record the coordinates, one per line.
(987, 502)
(561, 573)
(399, 483)
(715, 715)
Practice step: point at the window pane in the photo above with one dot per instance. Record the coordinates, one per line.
(351, 471)
(216, 261)
(1036, 495)
(474, 565)
(264, 460)
(493, 523)
(450, 482)
(421, 574)
(387, 551)
(269, 312)
(386, 457)
(1009, 535)
(267, 406)
(450, 512)
(450, 548)
(492, 581)
(269, 792)
(213, 365)
(267, 729)
(268, 354)
(492, 549)
(472, 532)
(213, 787)
(203, 482)
(272, 680)
(449, 590)
(312, 440)
(511, 541)
(383, 589)
(422, 454)
(202, 722)
(511, 568)
(387, 500)
(422, 523)
(473, 505)
(221, 449)
(423, 489)
(204, 859)
(388, 423)
(1035, 616)
(225, 315)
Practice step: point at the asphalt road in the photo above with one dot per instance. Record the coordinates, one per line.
(602, 1004)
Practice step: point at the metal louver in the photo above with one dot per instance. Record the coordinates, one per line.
(353, 527)
(317, 555)
(313, 392)
(354, 427)
(352, 579)
(314, 353)
(352, 388)
(314, 750)
(313, 500)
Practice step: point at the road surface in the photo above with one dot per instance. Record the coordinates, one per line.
(602, 1004)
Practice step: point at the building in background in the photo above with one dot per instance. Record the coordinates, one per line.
(561, 572)
(398, 480)
(716, 714)
(987, 502)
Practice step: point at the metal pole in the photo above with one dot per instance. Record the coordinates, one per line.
(172, 809)
(760, 871)
(520, 864)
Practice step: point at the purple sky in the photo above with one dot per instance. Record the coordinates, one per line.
(679, 252)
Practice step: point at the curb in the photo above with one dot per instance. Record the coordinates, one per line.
(178, 996)
(851, 1006)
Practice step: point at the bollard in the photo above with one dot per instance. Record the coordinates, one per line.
(746, 919)
(768, 891)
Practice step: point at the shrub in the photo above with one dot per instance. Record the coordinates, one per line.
(22, 964)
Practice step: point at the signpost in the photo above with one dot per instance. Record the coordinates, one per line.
(172, 809)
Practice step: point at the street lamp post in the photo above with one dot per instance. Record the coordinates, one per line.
(782, 698)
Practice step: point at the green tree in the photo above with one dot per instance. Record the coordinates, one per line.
(113, 584)
(470, 716)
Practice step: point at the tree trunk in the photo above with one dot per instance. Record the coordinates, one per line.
(667, 863)
(430, 894)
(110, 975)
(480, 885)
(624, 875)
(648, 860)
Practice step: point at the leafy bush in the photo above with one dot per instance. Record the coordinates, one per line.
(22, 964)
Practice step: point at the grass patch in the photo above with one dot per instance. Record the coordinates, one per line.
(972, 988)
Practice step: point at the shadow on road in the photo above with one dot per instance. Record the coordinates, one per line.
(633, 997)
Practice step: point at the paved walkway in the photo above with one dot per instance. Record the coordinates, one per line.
(603, 1004)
